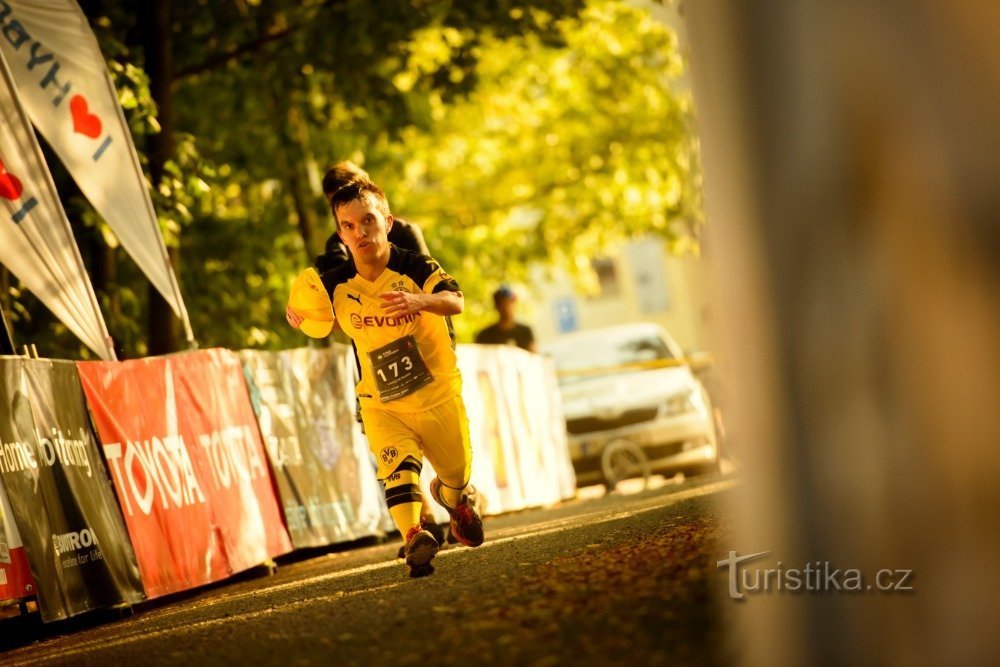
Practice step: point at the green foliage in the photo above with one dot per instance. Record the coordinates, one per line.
(237, 261)
(560, 152)
(515, 133)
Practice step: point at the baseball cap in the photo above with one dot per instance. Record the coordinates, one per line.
(309, 298)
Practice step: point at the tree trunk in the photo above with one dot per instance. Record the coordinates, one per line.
(295, 158)
(307, 183)
(155, 21)
(104, 275)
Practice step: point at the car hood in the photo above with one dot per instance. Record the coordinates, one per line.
(610, 395)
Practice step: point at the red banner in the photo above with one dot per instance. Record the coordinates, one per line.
(216, 406)
(15, 574)
(188, 465)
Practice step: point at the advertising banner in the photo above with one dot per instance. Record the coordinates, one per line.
(489, 469)
(501, 382)
(520, 453)
(556, 428)
(63, 82)
(36, 242)
(59, 493)
(15, 574)
(541, 474)
(188, 465)
(304, 401)
(213, 399)
(163, 499)
(526, 460)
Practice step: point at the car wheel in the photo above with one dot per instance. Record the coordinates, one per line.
(623, 459)
(706, 468)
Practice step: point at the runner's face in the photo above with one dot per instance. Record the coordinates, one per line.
(364, 230)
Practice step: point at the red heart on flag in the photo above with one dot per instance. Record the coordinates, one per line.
(10, 185)
(84, 122)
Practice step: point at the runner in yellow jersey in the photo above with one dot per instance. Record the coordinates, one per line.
(392, 303)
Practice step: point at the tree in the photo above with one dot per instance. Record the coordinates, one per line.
(515, 133)
(562, 149)
(302, 85)
(154, 21)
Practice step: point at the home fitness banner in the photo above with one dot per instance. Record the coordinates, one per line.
(187, 462)
(59, 493)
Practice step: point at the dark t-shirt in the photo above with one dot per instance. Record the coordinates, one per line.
(520, 335)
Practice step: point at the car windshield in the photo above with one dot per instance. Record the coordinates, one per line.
(606, 350)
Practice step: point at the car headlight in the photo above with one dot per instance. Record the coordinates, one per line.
(698, 402)
(677, 404)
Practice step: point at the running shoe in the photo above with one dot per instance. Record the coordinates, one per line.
(420, 548)
(434, 529)
(466, 524)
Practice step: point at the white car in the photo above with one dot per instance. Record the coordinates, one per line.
(632, 404)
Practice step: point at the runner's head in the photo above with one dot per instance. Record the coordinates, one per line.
(356, 190)
(361, 211)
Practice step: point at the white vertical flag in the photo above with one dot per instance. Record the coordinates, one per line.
(36, 242)
(65, 87)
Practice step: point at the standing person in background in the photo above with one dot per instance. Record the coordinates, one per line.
(402, 234)
(392, 303)
(507, 330)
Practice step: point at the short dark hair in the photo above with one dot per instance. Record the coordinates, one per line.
(356, 190)
(503, 293)
(341, 174)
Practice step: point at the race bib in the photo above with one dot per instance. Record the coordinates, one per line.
(399, 369)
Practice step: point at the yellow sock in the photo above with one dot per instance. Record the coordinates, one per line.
(402, 496)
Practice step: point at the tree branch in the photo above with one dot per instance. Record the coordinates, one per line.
(221, 59)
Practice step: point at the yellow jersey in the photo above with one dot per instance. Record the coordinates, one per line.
(407, 362)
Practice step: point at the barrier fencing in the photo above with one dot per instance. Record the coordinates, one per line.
(125, 481)
(73, 536)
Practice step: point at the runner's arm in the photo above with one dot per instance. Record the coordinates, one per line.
(444, 302)
(293, 318)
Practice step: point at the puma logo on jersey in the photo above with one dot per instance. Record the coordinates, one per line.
(355, 298)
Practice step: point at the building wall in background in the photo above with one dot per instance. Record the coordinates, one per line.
(639, 282)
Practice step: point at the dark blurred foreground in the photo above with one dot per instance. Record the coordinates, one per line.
(851, 154)
(613, 580)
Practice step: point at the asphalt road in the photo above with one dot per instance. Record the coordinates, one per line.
(625, 579)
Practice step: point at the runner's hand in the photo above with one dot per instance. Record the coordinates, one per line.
(402, 303)
(294, 319)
